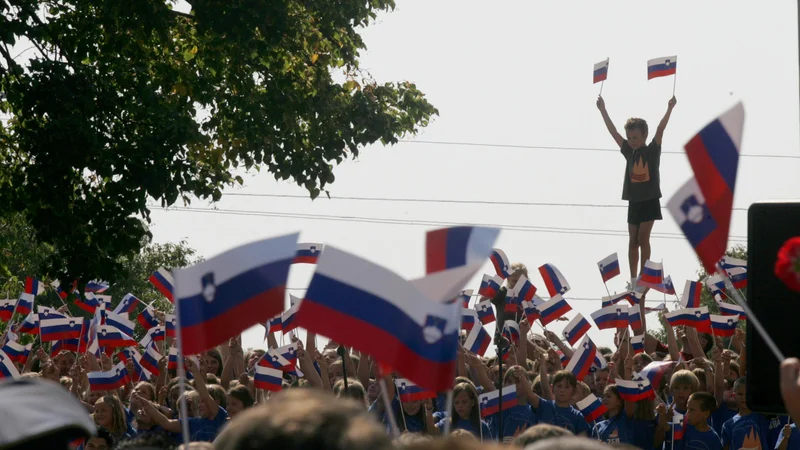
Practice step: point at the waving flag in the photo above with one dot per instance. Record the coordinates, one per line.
(66, 345)
(464, 297)
(614, 316)
(553, 309)
(729, 262)
(307, 253)
(690, 317)
(469, 318)
(120, 322)
(592, 408)
(609, 267)
(616, 298)
(655, 371)
(33, 286)
(635, 318)
(738, 276)
(513, 304)
(268, 379)
(223, 296)
(531, 312)
(109, 336)
(17, 352)
(489, 403)
(666, 287)
(576, 328)
(46, 312)
(96, 286)
(88, 303)
(163, 281)
(652, 274)
(524, 289)
(59, 329)
(283, 358)
(358, 303)
(511, 331)
(724, 325)
(172, 358)
(662, 67)
(716, 285)
(109, 380)
(170, 324)
(25, 303)
(30, 325)
(637, 343)
(288, 322)
(133, 355)
(500, 262)
(563, 358)
(150, 359)
(409, 392)
(147, 318)
(600, 72)
(275, 324)
(583, 358)
(448, 248)
(554, 280)
(634, 391)
(692, 291)
(7, 309)
(478, 340)
(728, 309)
(155, 334)
(127, 304)
(7, 367)
(485, 312)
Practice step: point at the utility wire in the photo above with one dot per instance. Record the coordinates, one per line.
(426, 200)
(576, 149)
(427, 223)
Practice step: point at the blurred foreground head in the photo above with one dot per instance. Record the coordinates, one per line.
(304, 419)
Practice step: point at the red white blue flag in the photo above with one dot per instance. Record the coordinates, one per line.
(268, 378)
(307, 253)
(614, 316)
(692, 291)
(662, 67)
(738, 276)
(7, 367)
(724, 325)
(554, 280)
(33, 286)
(576, 329)
(652, 274)
(478, 340)
(553, 309)
(592, 408)
(500, 262)
(127, 304)
(637, 343)
(449, 248)
(163, 281)
(635, 391)
(600, 72)
(583, 358)
(609, 267)
(490, 285)
(490, 402)
(109, 380)
(409, 392)
(485, 312)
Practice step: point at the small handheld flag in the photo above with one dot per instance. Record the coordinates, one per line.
(449, 248)
(525, 290)
(554, 280)
(652, 274)
(409, 392)
(485, 312)
(307, 253)
(592, 408)
(553, 309)
(576, 329)
(109, 380)
(616, 298)
(635, 318)
(163, 281)
(583, 358)
(600, 72)
(729, 309)
(490, 402)
(490, 285)
(637, 343)
(614, 316)
(691, 294)
(7, 367)
(662, 67)
(724, 326)
(609, 267)
(511, 331)
(478, 340)
(127, 304)
(531, 312)
(500, 261)
(634, 391)
(268, 378)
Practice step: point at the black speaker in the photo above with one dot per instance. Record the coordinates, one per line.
(769, 225)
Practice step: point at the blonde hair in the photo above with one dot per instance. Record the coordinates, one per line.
(119, 424)
(519, 267)
(192, 403)
(685, 377)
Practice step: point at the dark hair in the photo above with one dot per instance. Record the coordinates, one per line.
(635, 123)
(148, 441)
(739, 382)
(216, 354)
(604, 351)
(706, 400)
(104, 434)
(562, 375)
(615, 390)
(242, 393)
(474, 412)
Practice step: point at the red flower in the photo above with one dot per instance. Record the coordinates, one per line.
(787, 267)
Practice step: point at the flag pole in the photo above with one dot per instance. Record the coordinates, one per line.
(449, 408)
(387, 404)
(601, 87)
(181, 368)
(342, 352)
(737, 296)
(674, 81)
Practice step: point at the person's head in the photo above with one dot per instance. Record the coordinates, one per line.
(589, 380)
(145, 390)
(701, 378)
(570, 443)
(219, 395)
(304, 418)
(581, 392)
(147, 441)
(93, 396)
(174, 394)
(636, 132)
(64, 361)
(683, 384)
(641, 361)
(564, 384)
(612, 400)
(461, 435)
(252, 356)
(103, 441)
(540, 432)
(110, 414)
(706, 341)
(50, 371)
(330, 356)
(465, 402)
(335, 372)
(740, 392)
(407, 440)
(733, 373)
(517, 270)
(211, 362)
(239, 399)
(699, 408)
(355, 390)
(192, 404)
(601, 379)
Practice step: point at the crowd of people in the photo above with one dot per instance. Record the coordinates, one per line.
(698, 399)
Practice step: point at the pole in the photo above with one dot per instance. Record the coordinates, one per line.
(674, 81)
(601, 86)
(387, 404)
(181, 369)
(737, 296)
(499, 340)
(342, 351)
(449, 408)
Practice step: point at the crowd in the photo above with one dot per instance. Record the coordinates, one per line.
(695, 400)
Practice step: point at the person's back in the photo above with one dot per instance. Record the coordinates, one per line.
(304, 419)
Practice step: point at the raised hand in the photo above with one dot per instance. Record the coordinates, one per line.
(601, 104)
(672, 102)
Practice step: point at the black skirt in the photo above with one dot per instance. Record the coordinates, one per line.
(644, 211)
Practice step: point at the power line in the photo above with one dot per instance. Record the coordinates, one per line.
(426, 200)
(427, 223)
(576, 149)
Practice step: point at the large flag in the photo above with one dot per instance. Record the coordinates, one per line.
(223, 296)
(163, 281)
(714, 156)
(583, 358)
(576, 328)
(307, 253)
(448, 248)
(361, 304)
(554, 280)
(662, 67)
(609, 267)
(600, 72)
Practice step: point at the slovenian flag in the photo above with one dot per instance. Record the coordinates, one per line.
(500, 262)
(464, 298)
(728, 309)
(490, 285)
(109, 336)
(583, 358)
(655, 372)
(288, 322)
(637, 343)
(127, 304)
(691, 317)
(592, 408)
(89, 302)
(121, 322)
(25, 303)
(635, 318)
(155, 334)
(275, 324)
(666, 287)
(652, 274)
(170, 324)
(150, 359)
(449, 248)
(7, 309)
(716, 285)
(609, 267)
(7, 367)
(724, 326)
(705, 218)
(96, 287)
(490, 402)
(635, 391)
(17, 352)
(616, 298)
(511, 331)
(661, 67)
(223, 296)
(576, 329)
(307, 253)
(531, 312)
(553, 309)
(478, 340)
(469, 317)
(409, 392)
(600, 72)
(692, 291)
(729, 262)
(57, 329)
(485, 312)
(30, 325)
(614, 316)
(563, 358)
(163, 281)
(268, 378)
(738, 276)
(109, 380)
(554, 280)
(33, 286)
(525, 290)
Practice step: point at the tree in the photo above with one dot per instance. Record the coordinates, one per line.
(121, 102)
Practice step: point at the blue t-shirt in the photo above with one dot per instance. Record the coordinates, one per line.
(202, 429)
(568, 418)
(516, 419)
(643, 433)
(721, 415)
(617, 430)
(464, 424)
(700, 440)
(794, 439)
(746, 432)
(776, 424)
(413, 424)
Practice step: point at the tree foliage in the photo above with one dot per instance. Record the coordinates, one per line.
(116, 103)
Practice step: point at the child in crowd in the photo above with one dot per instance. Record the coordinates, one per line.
(560, 411)
(616, 429)
(697, 433)
(466, 413)
(746, 430)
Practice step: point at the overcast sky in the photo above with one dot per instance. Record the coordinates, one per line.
(518, 73)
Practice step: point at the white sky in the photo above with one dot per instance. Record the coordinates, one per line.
(518, 73)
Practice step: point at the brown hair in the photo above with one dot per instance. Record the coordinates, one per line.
(539, 432)
(474, 412)
(707, 401)
(564, 375)
(243, 394)
(635, 123)
(355, 390)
